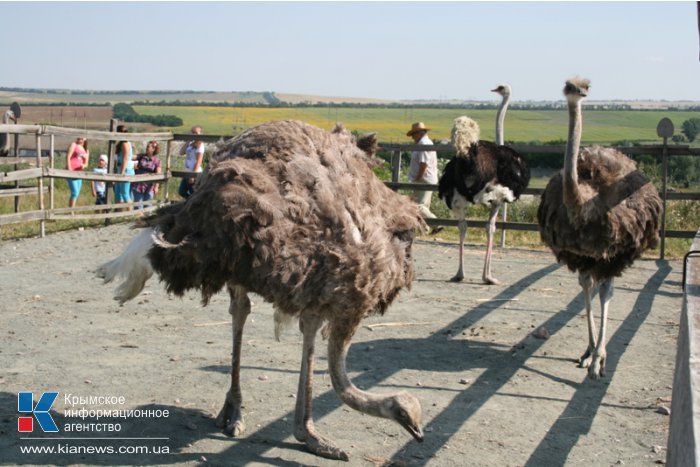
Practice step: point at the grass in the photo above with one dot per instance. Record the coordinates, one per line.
(603, 127)
(391, 124)
(682, 215)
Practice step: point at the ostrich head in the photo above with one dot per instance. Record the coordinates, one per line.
(406, 411)
(576, 89)
(502, 89)
(465, 133)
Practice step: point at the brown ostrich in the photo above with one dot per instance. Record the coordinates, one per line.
(294, 214)
(598, 215)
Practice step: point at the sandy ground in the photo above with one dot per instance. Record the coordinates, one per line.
(492, 393)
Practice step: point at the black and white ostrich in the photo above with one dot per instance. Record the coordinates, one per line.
(482, 172)
(597, 215)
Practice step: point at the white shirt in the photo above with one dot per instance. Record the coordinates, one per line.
(191, 154)
(428, 157)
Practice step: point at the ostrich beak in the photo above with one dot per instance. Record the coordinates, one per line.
(494, 90)
(415, 431)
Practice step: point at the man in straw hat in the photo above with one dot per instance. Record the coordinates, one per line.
(423, 169)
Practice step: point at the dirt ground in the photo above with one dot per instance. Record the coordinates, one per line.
(492, 392)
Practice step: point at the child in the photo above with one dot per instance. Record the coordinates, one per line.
(99, 189)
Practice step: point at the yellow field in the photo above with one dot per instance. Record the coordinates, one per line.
(391, 124)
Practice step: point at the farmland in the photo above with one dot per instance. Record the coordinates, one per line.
(600, 126)
(522, 126)
(95, 117)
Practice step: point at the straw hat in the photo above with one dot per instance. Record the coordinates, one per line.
(418, 126)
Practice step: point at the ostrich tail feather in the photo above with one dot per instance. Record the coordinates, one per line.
(282, 321)
(133, 264)
(465, 134)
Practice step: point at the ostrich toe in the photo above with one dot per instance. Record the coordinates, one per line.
(597, 368)
(584, 361)
(319, 445)
(230, 419)
(457, 278)
(490, 280)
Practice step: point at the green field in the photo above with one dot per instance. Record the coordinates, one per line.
(523, 126)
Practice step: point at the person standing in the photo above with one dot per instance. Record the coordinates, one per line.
(147, 163)
(77, 158)
(194, 156)
(123, 165)
(99, 189)
(423, 169)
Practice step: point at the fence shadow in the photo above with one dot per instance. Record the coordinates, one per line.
(577, 417)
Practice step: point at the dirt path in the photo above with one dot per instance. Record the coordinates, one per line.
(492, 393)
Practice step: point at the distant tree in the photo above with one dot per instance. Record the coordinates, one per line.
(683, 170)
(691, 128)
(678, 139)
(126, 113)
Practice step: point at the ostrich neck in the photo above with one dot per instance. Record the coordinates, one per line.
(500, 119)
(572, 197)
(371, 404)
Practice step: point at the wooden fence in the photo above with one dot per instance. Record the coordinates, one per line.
(44, 169)
(660, 152)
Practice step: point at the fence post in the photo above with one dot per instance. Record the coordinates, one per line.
(52, 147)
(16, 150)
(395, 166)
(664, 192)
(40, 183)
(665, 130)
(168, 151)
(110, 157)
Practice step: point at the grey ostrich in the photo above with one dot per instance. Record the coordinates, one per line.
(482, 173)
(8, 115)
(597, 215)
(294, 214)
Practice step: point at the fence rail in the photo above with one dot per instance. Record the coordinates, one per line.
(659, 151)
(41, 171)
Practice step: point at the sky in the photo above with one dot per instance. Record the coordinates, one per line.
(384, 50)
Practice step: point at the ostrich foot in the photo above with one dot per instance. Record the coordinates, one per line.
(457, 277)
(584, 361)
(490, 280)
(319, 445)
(597, 368)
(230, 418)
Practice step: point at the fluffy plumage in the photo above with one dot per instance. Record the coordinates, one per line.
(484, 163)
(294, 214)
(300, 220)
(482, 172)
(598, 215)
(613, 223)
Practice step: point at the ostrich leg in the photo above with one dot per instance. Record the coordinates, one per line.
(490, 231)
(462, 233)
(586, 282)
(304, 430)
(230, 417)
(597, 368)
